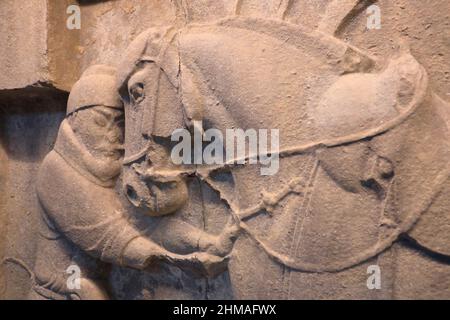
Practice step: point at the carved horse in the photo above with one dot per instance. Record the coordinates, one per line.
(364, 145)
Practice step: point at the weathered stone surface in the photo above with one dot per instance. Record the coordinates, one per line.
(23, 36)
(37, 49)
(363, 171)
(3, 211)
(29, 123)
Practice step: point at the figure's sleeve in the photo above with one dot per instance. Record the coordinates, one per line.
(90, 216)
(184, 237)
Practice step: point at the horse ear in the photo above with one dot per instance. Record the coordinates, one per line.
(149, 46)
(130, 62)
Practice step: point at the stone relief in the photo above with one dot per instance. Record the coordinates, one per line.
(362, 181)
(85, 223)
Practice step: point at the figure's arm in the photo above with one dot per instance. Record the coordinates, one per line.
(92, 218)
(185, 238)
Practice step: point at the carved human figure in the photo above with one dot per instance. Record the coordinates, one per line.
(85, 223)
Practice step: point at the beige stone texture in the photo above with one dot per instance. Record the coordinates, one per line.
(87, 179)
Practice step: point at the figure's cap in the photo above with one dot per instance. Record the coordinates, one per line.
(96, 87)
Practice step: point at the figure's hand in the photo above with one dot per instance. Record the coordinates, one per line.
(222, 245)
(202, 264)
(209, 265)
(144, 254)
(199, 264)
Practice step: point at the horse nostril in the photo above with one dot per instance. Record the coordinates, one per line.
(131, 192)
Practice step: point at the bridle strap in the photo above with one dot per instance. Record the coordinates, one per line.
(148, 120)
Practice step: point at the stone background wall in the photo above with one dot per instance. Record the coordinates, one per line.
(40, 59)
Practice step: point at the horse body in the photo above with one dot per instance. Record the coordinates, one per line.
(320, 235)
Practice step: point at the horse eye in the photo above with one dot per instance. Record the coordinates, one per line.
(137, 92)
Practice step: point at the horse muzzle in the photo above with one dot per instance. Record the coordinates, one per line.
(158, 193)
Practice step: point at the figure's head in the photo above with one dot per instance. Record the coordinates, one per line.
(95, 112)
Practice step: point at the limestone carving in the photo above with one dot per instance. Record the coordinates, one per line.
(85, 223)
(362, 180)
